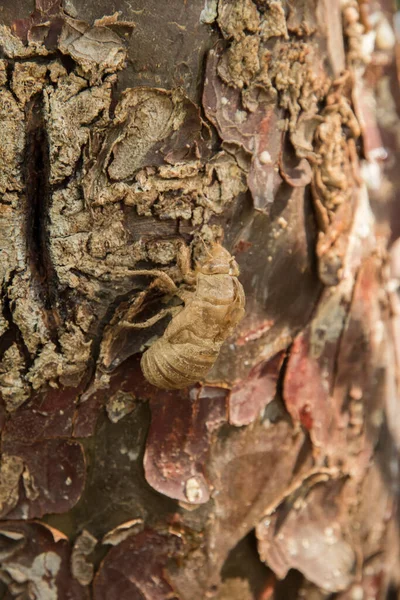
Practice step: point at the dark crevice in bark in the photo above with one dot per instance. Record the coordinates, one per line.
(388, 461)
(310, 218)
(243, 562)
(9, 72)
(304, 454)
(345, 323)
(37, 172)
(67, 62)
(392, 593)
(116, 94)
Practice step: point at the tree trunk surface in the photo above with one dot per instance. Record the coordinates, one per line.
(137, 137)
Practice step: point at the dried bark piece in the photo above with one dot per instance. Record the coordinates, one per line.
(158, 113)
(178, 443)
(209, 13)
(273, 23)
(308, 535)
(150, 125)
(14, 389)
(27, 80)
(27, 311)
(13, 47)
(136, 568)
(258, 133)
(54, 476)
(123, 531)
(240, 63)
(97, 50)
(48, 415)
(248, 398)
(11, 468)
(11, 159)
(69, 109)
(257, 464)
(222, 106)
(67, 366)
(81, 568)
(191, 190)
(35, 559)
(237, 16)
(3, 72)
(119, 405)
(247, 475)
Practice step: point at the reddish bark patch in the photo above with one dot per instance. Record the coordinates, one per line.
(53, 479)
(179, 439)
(250, 469)
(257, 132)
(135, 569)
(43, 25)
(248, 398)
(87, 414)
(310, 537)
(305, 391)
(49, 414)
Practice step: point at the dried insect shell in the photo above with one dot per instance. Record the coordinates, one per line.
(192, 340)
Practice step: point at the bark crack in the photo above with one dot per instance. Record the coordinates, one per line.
(38, 192)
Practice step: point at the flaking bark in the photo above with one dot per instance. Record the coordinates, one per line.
(261, 125)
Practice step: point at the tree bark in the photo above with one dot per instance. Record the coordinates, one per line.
(129, 141)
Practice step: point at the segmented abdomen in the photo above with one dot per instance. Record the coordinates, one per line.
(176, 366)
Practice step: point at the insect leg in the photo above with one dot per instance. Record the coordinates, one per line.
(184, 264)
(165, 311)
(157, 273)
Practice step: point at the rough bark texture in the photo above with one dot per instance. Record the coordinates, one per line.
(270, 126)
